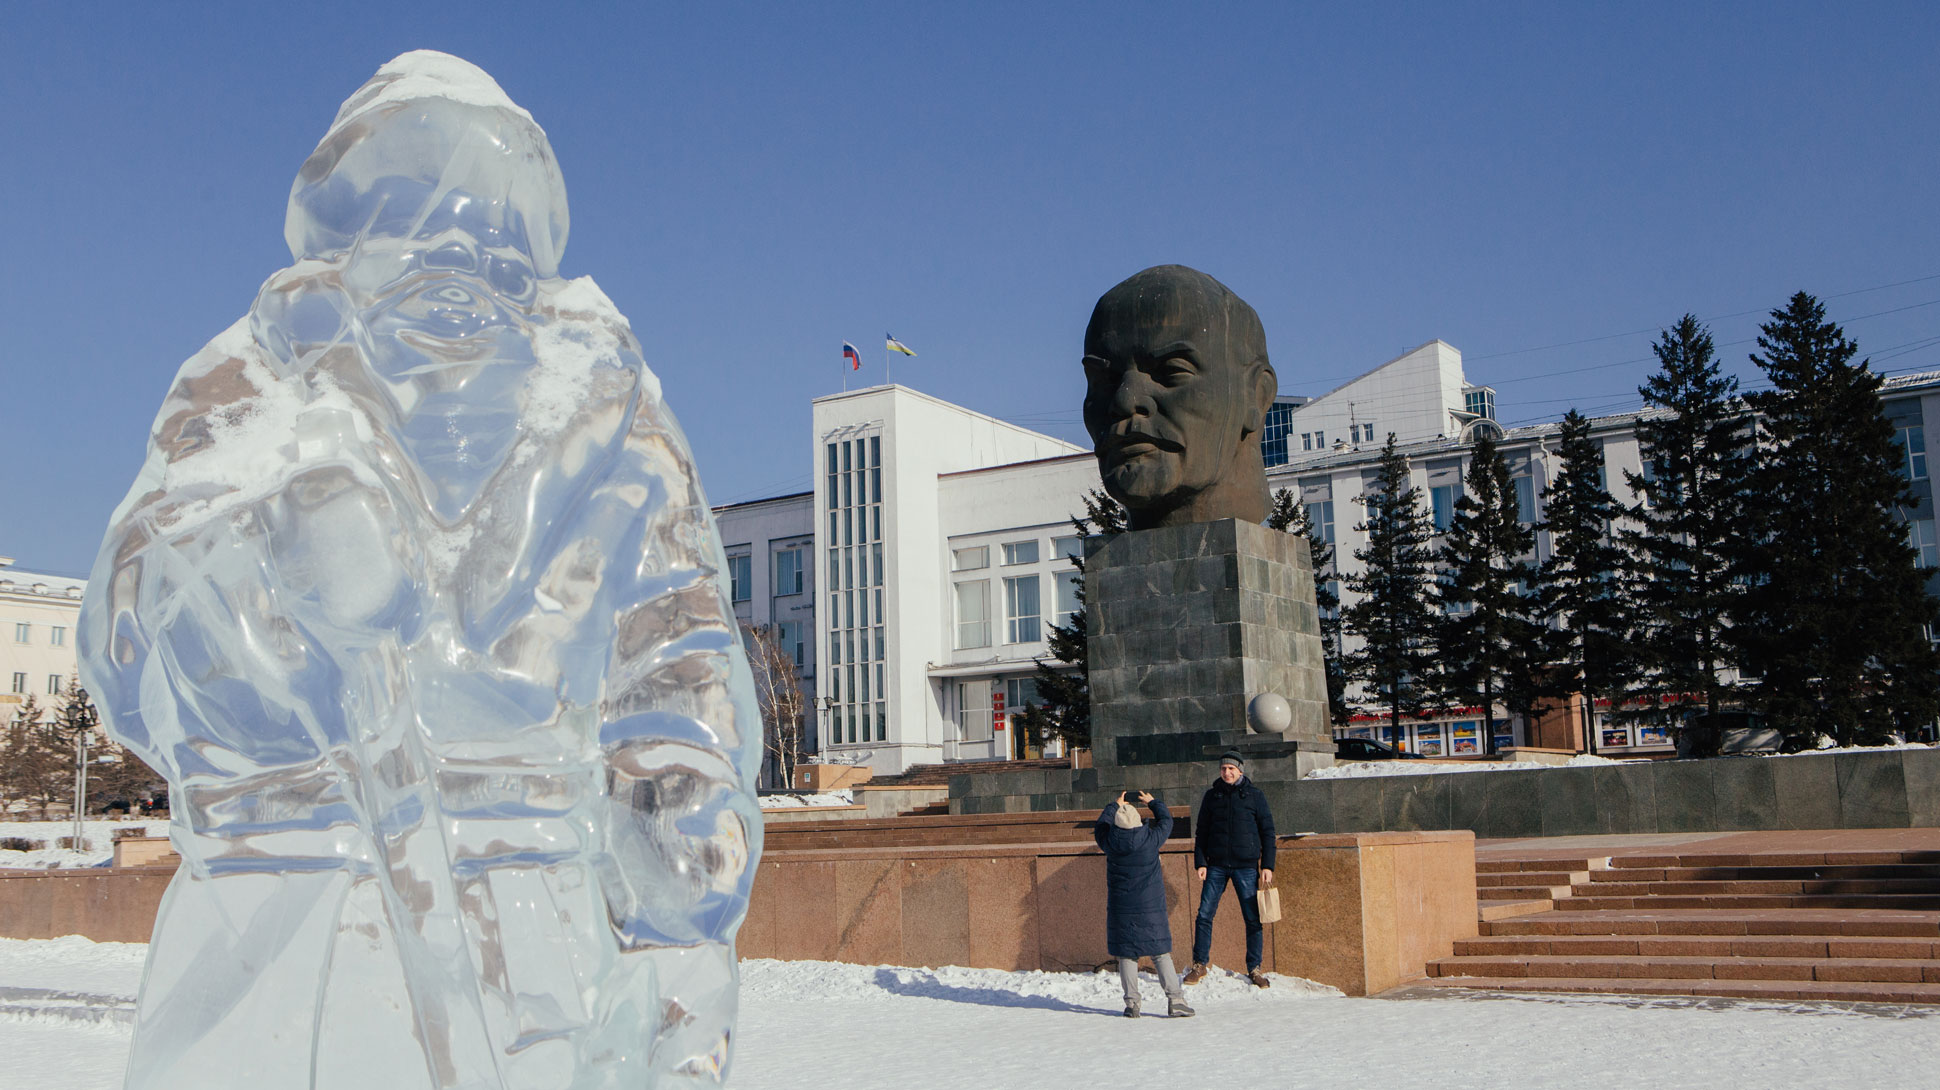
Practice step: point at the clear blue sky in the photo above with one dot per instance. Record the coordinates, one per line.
(755, 184)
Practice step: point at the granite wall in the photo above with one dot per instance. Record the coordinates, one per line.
(1875, 789)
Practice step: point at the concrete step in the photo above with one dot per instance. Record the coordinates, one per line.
(1763, 873)
(1531, 878)
(1521, 893)
(1486, 865)
(1848, 923)
(1501, 910)
(1592, 902)
(1845, 886)
(1675, 967)
(1774, 859)
(1778, 990)
(1714, 946)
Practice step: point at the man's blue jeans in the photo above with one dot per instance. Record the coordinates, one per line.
(1246, 886)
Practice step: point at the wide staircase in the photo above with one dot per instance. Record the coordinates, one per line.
(1860, 926)
(938, 775)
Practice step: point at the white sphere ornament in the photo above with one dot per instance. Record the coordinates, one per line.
(1268, 714)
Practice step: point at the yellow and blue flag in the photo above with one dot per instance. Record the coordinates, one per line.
(895, 345)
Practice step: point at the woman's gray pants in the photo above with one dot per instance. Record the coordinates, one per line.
(1168, 977)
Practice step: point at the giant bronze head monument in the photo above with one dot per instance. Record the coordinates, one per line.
(1177, 390)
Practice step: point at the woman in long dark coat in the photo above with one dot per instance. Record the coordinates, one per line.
(1135, 921)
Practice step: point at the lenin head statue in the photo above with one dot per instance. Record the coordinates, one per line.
(1177, 387)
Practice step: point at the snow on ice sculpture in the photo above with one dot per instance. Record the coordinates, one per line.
(418, 604)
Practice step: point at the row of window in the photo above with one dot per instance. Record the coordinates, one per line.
(977, 557)
(858, 640)
(55, 683)
(1023, 608)
(23, 632)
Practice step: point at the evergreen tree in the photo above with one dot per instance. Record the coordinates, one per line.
(1392, 616)
(1687, 542)
(1836, 631)
(1488, 646)
(1293, 517)
(1063, 705)
(1582, 591)
(39, 765)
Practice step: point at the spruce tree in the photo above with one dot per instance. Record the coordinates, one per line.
(1392, 616)
(1686, 543)
(1582, 592)
(1063, 705)
(1836, 632)
(1293, 517)
(1487, 644)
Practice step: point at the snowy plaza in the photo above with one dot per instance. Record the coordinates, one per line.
(65, 1007)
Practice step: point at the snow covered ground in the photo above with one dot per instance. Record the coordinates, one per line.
(97, 833)
(1358, 769)
(65, 1005)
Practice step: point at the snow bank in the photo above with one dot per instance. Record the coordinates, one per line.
(844, 797)
(97, 835)
(1360, 769)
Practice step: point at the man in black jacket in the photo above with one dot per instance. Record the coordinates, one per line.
(1232, 841)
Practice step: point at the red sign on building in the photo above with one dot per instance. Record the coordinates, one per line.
(997, 716)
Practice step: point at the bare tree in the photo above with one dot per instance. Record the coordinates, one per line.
(783, 705)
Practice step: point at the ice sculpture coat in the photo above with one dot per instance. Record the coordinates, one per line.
(1135, 922)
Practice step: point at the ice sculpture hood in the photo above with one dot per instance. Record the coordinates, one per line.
(429, 144)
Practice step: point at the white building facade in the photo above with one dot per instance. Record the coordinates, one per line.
(38, 612)
(942, 538)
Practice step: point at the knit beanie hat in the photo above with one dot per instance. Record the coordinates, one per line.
(1126, 816)
(1232, 757)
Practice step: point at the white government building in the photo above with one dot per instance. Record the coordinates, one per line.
(916, 582)
(38, 612)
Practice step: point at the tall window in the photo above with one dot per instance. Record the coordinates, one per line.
(1022, 609)
(1913, 441)
(21, 634)
(973, 614)
(1069, 583)
(788, 571)
(855, 625)
(53, 684)
(794, 642)
(57, 636)
(20, 683)
(1525, 486)
(973, 711)
(1273, 437)
(740, 570)
(1919, 534)
(1442, 498)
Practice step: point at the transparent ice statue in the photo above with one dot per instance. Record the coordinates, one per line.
(419, 606)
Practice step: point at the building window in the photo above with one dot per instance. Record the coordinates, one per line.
(53, 684)
(973, 614)
(1481, 402)
(1022, 609)
(21, 634)
(788, 571)
(1273, 437)
(1322, 514)
(970, 559)
(1073, 546)
(1020, 552)
(1019, 692)
(1441, 500)
(740, 572)
(1306, 440)
(1367, 433)
(973, 711)
(793, 641)
(1913, 441)
(57, 636)
(1919, 533)
(1525, 486)
(1320, 440)
(20, 683)
(1069, 584)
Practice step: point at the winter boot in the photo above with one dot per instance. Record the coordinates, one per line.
(1257, 977)
(1176, 1008)
(1131, 1008)
(1195, 974)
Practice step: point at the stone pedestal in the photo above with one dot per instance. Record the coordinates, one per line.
(1189, 623)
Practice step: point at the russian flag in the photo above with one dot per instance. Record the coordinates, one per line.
(849, 353)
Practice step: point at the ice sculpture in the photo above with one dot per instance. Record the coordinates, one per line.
(418, 604)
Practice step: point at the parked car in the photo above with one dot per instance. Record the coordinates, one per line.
(1367, 749)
